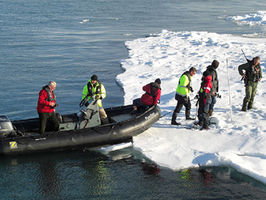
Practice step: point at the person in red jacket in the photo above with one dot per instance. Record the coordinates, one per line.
(150, 98)
(46, 107)
(205, 101)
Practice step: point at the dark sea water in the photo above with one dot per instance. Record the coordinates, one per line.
(68, 41)
(91, 175)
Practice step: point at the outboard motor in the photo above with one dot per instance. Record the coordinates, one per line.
(6, 127)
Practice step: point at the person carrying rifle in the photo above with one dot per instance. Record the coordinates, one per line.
(251, 74)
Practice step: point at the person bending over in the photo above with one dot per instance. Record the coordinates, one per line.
(150, 98)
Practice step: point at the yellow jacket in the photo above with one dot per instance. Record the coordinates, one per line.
(183, 85)
(92, 90)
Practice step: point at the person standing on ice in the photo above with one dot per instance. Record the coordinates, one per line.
(205, 100)
(211, 69)
(251, 73)
(150, 98)
(182, 95)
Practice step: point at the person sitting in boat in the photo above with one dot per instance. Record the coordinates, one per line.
(46, 107)
(150, 98)
(94, 89)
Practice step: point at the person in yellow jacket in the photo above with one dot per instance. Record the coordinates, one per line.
(95, 89)
(182, 95)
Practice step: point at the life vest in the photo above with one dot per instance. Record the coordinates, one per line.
(91, 90)
(50, 94)
(184, 84)
(94, 89)
(46, 95)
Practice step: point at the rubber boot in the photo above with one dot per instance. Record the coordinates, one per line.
(173, 121)
(210, 112)
(250, 105)
(105, 120)
(187, 113)
(244, 107)
(205, 127)
(198, 123)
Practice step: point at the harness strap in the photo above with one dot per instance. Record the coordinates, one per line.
(49, 93)
(90, 91)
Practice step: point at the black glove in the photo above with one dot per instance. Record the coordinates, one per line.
(191, 89)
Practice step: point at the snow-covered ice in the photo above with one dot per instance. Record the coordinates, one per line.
(240, 139)
(256, 18)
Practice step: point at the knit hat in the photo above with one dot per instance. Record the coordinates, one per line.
(158, 81)
(94, 77)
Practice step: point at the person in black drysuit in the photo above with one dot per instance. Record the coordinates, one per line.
(205, 100)
(211, 70)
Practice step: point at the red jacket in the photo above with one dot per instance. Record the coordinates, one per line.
(207, 86)
(151, 97)
(43, 101)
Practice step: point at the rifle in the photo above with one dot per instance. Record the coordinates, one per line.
(249, 61)
(245, 56)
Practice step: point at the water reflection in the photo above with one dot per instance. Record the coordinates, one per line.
(200, 174)
(49, 183)
(123, 174)
(150, 168)
(97, 178)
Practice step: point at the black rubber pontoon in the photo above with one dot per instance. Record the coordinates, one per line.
(79, 130)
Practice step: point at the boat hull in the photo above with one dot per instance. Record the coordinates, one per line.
(108, 134)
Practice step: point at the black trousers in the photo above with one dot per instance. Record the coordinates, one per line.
(203, 112)
(52, 125)
(182, 101)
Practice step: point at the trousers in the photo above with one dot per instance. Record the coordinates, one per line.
(203, 112)
(52, 125)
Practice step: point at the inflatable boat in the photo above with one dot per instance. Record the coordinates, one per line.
(78, 130)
